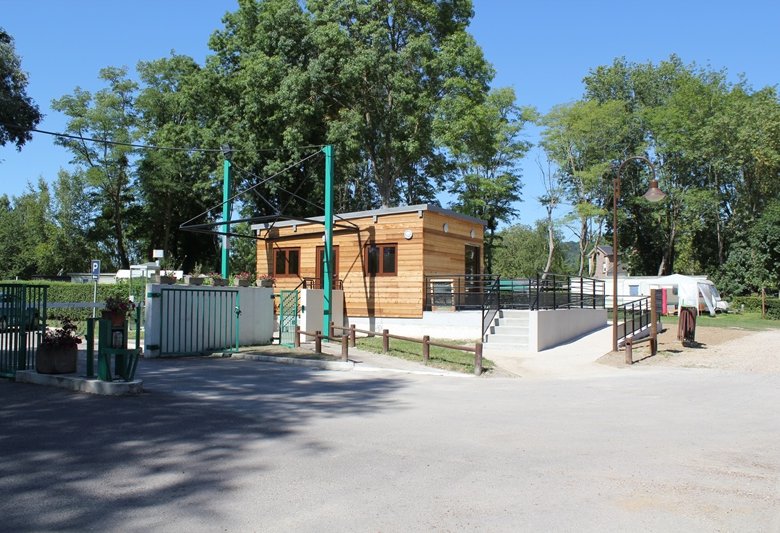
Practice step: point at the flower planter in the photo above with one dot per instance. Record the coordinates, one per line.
(167, 280)
(219, 282)
(55, 359)
(267, 283)
(242, 283)
(196, 280)
(117, 319)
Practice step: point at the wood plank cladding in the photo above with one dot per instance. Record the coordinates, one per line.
(429, 251)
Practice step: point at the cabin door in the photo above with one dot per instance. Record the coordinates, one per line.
(321, 267)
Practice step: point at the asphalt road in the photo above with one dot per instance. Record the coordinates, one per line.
(226, 445)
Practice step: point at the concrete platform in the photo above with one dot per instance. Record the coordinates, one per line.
(81, 384)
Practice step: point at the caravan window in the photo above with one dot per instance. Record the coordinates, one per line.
(633, 290)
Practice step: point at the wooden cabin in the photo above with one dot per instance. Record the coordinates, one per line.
(383, 258)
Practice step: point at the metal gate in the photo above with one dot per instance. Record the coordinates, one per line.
(198, 321)
(288, 317)
(22, 323)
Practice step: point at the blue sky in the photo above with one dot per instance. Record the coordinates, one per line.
(542, 48)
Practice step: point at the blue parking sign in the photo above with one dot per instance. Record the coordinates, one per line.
(95, 269)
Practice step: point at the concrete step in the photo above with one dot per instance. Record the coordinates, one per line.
(516, 322)
(509, 330)
(511, 313)
(507, 340)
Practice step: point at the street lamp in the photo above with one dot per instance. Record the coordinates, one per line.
(653, 194)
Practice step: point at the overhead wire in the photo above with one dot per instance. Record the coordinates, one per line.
(155, 147)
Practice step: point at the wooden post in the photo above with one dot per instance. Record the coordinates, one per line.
(653, 322)
(297, 337)
(332, 332)
(426, 349)
(344, 348)
(352, 335)
(629, 351)
(763, 302)
(318, 342)
(385, 341)
(478, 359)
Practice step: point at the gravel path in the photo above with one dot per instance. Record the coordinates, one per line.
(728, 349)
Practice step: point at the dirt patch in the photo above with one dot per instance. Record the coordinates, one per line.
(720, 348)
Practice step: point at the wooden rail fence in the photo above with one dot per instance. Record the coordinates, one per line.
(349, 340)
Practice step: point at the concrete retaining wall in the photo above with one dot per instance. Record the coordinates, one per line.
(549, 328)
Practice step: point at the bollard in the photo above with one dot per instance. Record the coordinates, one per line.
(352, 336)
(332, 331)
(426, 349)
(344, 348)
(297, 337)
(318, 342)
(385, 341)
(478, 359)
(629, 351)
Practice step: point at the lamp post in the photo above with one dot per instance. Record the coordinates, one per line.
(653, 194)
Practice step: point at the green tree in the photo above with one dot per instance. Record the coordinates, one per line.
(583, 139)
(18, 113)
(174, 185)
(108, 115)
(484, 145)
(72, 214)
(753, 263)
(523, 251)
(25, 230)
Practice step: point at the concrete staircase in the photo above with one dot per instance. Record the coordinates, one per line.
(509, 332)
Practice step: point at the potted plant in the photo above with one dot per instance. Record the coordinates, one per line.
(168, 277)
(217, 280)
(116, 309)
(243, 279)
(266, 280)
(197, 277)
(58, 350)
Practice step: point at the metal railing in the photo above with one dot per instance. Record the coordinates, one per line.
(490, 306)
(485, 291)
(635, 316)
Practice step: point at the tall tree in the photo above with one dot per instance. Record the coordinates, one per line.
(396, 61)
(108, 115)
(583, 139)
(18, 113)
(174, 184)
(484, 146)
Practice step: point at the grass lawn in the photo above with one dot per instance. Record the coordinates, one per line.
(444, 358)
(751, 321)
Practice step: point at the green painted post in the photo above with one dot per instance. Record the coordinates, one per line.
(104, 343)
(225, 212)
(327, 282)
(90, 338)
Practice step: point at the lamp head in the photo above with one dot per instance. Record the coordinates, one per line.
(654, 194)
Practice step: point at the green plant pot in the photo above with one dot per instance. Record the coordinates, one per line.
(56, 360)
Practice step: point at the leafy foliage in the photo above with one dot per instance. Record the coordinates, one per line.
(18, 113)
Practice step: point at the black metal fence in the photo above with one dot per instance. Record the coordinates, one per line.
(486, 291)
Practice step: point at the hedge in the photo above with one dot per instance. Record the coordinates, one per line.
(753, 305)
(65, 291)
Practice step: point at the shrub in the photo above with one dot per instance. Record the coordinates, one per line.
(753, 305)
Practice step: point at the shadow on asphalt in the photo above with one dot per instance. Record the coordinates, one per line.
(173, 444)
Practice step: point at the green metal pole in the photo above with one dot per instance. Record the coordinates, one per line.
(225, 212)
(327, 282)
